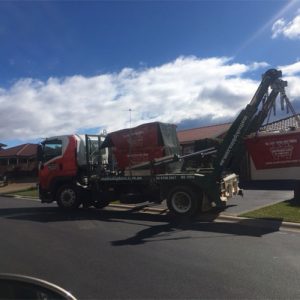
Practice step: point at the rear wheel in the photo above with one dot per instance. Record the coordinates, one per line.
(183, 201)
(67, 197)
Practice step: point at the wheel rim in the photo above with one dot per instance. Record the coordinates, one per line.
(68, 197)
(181, 202)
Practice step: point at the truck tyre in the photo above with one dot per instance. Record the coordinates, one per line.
(101, 199)
(101, 204)
(182, 201)
(67, 197)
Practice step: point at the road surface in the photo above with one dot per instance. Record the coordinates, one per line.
(118, 254)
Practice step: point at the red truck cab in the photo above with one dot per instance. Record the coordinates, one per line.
(65, 164)
(58, 164)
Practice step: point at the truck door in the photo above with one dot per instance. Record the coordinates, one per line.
(58, 160)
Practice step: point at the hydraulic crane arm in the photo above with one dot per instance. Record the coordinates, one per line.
(249, 120)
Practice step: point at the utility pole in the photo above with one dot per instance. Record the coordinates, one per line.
(130, 141)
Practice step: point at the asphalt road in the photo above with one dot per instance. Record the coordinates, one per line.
(119, 254)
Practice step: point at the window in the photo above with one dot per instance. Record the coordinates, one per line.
(23, 161)
(52, 149)
(13, 161)
(3, 162)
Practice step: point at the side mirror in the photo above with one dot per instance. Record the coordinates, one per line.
(39, 153)
(24, 287)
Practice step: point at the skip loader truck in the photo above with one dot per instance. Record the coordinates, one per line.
(144, 163)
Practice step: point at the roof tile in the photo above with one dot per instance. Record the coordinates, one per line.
(25, 150)
(213, 131)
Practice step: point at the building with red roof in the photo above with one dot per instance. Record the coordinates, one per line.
(188, 137)
(19, 160)
(2, 146)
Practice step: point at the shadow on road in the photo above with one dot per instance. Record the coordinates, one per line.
(156, 224)
(254, 228)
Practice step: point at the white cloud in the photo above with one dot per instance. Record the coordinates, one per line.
(293, 89)
(258, 65)
(290, 69)
(188, 88)
(291, 75)
(289, 30)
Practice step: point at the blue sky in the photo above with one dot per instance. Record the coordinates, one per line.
(79, 66)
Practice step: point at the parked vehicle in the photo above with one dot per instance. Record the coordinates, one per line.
(143, 163)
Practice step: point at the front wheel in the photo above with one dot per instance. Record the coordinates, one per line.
(183, 201)
(67, 197)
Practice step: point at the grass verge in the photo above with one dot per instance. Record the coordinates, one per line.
(288, 211)
(31, 192)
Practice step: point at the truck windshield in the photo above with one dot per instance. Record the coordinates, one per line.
(51, 149)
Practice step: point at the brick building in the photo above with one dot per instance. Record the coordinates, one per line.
(187, 138)
(19, 161)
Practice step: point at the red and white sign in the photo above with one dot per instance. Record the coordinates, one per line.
(279, 150)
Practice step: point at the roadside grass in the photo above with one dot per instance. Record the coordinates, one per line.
(288, 211)
(31, 192)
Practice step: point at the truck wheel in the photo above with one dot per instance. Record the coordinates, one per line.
(67, 197)
(182, 201)
(101, 204)
(101, 199)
